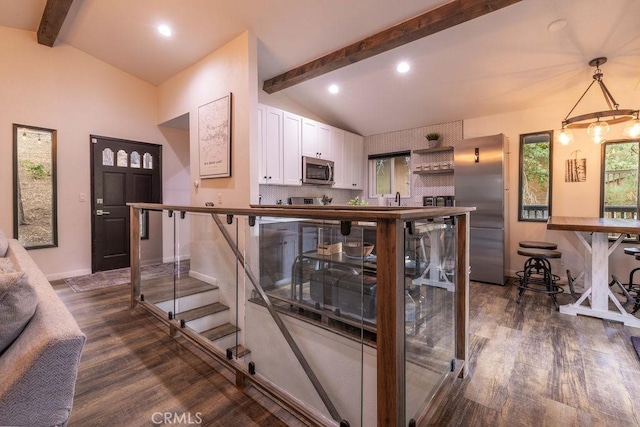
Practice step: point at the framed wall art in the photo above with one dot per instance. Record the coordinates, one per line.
(214, 138)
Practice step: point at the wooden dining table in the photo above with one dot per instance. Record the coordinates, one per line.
(593, 234)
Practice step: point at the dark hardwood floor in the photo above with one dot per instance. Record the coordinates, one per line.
(530, 365)
(132, 372)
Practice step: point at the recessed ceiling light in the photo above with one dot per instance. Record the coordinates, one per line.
(557, 25)
(164, 30)
(334, 89)
(403, 67)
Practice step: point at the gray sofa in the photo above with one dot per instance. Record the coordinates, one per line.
(38, 370)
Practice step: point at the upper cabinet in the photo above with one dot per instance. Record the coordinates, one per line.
(286, 137)
(316, 139)
(279, 133)
(292, 159)
(356, 153)
(271, 144)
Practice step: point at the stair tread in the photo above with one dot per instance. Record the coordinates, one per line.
(164, 289)
(240, 351)
(203, 311)
(220, 331)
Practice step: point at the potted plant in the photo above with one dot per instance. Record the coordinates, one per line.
(434, 138)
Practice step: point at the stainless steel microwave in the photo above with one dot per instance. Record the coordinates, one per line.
(317, 171)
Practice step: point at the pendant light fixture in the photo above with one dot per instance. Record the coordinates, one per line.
(598, 123)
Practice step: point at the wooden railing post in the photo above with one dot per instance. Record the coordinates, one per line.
(390, 322)
(134, 232)
(462, 290)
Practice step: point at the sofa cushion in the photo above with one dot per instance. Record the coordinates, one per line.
(6, 266)
(18, 303)
(4, 244)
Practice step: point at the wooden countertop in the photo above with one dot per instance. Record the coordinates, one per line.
(591, 224)
(341, 213)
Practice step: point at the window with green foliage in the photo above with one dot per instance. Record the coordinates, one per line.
(619, 198)
(390, 173)
(534, 197)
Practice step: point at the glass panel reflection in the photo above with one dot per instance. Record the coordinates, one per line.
(107, 157)
(135, 159)
(122, 160)
(429, 310)
(147, 160)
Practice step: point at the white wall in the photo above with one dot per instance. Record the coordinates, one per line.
(568, 198)
(65, 89)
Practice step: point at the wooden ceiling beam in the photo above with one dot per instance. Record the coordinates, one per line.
(431, 22)
(55, 12)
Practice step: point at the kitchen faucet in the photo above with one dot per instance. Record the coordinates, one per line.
(397, 199)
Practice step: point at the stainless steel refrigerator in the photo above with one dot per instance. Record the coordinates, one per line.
(480, 180)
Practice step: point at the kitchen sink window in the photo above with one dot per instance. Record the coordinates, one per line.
(619, 181)
(390, 173)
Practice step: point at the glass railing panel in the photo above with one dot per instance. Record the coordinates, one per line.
(429, 310)
(157, 259)
(206, 296)
(323, 339)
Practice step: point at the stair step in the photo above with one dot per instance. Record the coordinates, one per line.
(239, 351)
(203, 311)
(220, 331)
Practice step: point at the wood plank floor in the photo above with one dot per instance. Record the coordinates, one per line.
(530, 365)
(131, 369)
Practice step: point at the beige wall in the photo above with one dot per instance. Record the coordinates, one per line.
(230, 69)
(569, 199)
(65, 89)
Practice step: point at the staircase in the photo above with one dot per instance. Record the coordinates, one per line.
(200, 310)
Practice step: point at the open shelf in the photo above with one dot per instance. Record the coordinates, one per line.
(435, 172)
(432, 150)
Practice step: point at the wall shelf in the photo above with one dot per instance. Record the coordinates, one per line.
(432, 150)
(441, 171)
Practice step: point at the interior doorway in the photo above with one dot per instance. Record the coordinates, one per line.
(121, 172)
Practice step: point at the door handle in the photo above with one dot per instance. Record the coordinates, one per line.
(100, 212)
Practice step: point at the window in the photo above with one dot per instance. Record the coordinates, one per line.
(536, 158)
(390, 173)
(619, 182)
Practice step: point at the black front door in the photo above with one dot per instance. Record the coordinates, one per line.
(122, 172)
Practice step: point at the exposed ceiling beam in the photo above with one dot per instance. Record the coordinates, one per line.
(53, 17)
(446, 16)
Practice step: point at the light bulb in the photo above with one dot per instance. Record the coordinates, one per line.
(334, 89)
(632, 130)
(597, 131)
(565, 136)
(403, 67)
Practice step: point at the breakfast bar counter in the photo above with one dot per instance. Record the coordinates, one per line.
(593, 234)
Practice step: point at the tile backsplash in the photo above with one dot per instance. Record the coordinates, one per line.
(270, 194)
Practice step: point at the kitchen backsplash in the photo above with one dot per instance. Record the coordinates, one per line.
(272, 193)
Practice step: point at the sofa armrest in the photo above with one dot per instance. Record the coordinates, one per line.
(39, 369)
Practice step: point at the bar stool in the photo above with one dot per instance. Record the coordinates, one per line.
(537, 276)
(533, 244)
(635, 252)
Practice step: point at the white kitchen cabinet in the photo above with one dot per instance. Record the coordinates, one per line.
(341, 156)
(316, 139)
(355, 160)
(271, 145)
(292, 158)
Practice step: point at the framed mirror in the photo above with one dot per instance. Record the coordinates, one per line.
(34, 187)
(536, 158)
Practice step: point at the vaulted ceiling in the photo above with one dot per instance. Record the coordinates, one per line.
(505, 60)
